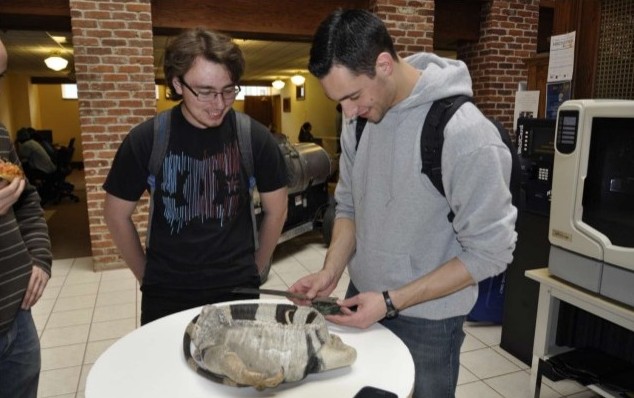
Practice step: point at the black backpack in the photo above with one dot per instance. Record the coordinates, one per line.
(489, 306)
(432, 139)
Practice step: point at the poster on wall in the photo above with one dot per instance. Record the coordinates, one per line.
(562, 57)
(556, 94)
(526, 105)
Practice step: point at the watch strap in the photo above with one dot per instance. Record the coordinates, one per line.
(392, 312)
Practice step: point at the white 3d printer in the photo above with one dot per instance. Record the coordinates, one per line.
(592, 210)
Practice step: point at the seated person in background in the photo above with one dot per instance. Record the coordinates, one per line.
(31, 152)
(48, 147)
(305, 134)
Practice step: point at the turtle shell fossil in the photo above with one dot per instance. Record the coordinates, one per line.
(262, 344)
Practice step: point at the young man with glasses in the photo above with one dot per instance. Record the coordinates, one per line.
(201, 230)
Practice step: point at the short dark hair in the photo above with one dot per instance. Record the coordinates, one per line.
(24, 134)
(350, 38)
(216, 47)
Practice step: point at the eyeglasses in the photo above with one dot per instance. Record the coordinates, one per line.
(228, 94)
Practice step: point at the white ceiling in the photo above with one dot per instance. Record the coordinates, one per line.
(265, 60)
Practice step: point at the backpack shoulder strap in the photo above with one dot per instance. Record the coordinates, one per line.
(162, 124)
(243, 127)
(358, 129)
(243, 130)
(433, 136)
(161, 137)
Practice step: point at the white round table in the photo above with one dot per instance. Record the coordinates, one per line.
(149, 362)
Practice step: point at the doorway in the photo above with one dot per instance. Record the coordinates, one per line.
(260, 108)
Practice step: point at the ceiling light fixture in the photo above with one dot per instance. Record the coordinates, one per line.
(55, 62)
(59, 39)
(278, 84)
(298, 79)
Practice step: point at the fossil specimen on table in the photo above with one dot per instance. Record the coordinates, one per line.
(262, 344)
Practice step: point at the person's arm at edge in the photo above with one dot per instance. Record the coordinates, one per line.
(118, 216)
(274, 208)
(30, 217)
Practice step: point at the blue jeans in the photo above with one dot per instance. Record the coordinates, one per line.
(20, 358)
(435, 348)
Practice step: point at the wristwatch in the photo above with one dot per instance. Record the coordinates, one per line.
(392, 312)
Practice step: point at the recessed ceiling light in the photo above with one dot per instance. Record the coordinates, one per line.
(59, 39)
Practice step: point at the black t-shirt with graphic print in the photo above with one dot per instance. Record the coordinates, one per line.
(201, 231)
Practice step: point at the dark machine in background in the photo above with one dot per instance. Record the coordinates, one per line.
(536, 149)
(47, 135)
(535, 138)
(309, 168)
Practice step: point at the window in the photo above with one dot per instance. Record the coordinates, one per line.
(253, 91)
(69, 91)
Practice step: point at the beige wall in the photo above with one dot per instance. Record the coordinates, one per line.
(5, 106)
(40, 106)
(59, 115)
(18, 107)
(35, 115)
(163, 103)
(317, 109)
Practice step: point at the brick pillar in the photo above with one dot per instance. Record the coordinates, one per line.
(508, 36)
(113, 54)
(410, 23)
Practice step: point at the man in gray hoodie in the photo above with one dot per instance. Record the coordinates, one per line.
(410, 268)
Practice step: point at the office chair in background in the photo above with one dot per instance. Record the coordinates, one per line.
(53, 187)
(62, 188)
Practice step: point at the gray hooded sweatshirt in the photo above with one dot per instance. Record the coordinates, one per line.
(402, 230)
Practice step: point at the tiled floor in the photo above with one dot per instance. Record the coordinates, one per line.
(82, 313)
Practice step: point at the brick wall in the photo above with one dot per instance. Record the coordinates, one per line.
(113, 54)
(508, 36)
(411, 23)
